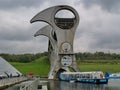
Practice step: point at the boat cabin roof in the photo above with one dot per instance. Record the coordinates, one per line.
(92, 72)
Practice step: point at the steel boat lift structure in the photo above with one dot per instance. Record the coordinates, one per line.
(60, 32)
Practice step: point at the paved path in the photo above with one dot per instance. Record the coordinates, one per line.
(11, 81)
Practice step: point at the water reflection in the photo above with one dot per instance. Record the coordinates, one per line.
(17, 86)
(61, 85)
(80, 86)
(56, 85)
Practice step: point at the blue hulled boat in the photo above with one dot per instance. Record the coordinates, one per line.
(113, 76)
(96, 77)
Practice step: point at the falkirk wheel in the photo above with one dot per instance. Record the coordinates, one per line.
(60, 32)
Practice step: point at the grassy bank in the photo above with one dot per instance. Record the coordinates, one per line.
(113, 68)
(38, 67)
(41, 66)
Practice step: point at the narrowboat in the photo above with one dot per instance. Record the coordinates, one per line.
(96, 77)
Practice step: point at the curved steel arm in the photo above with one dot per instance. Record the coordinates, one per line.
(48, 14)
(46, 31)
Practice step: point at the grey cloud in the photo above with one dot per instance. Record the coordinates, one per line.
(9, 4)
(19, 34)
(98, 31)
(15, 25)
(16, 32)
(15, 35)
(18, 47)
(109, 5)
(107, 40)
(12, 4)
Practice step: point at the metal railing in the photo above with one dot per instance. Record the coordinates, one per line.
(31, 86)
(11, 81)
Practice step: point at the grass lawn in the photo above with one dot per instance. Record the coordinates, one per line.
(38, 67)
(113, 68)
(41, 66)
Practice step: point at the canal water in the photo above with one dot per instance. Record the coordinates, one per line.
(113, 84)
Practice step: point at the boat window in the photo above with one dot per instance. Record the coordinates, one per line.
(76, 75)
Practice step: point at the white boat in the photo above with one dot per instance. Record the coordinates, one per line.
(96, 77)
(114, 76)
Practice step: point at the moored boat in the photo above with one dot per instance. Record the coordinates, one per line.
(113, 76)
(96, 77)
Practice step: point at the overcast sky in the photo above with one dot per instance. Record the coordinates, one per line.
(98, 30)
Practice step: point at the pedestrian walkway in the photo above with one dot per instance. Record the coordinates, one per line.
(33, 85)
(6, 82)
